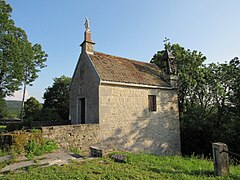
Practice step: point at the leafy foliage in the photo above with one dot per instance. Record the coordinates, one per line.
(36, 148)
(20, 61)
(13, 104)
(197, 132)
(32, 65)
(32, 143)
(32, 109)
(209, 99)
(12, 41)
(9, 108)
(188, 65)
(2, 129)
(2, 108)
(49, 114)
(56, 98)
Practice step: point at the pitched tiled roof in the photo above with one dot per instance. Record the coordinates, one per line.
(118, 69)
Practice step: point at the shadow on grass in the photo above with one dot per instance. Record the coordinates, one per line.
(203, 173)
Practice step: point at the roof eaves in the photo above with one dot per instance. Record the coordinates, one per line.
(135, 85)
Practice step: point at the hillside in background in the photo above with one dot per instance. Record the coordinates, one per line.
(13, 108)
(13, 105)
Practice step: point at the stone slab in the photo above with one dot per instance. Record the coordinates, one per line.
(55, 158)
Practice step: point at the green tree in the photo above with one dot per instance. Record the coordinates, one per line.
(235, 72)
(20, 61)
(225, 91)
(189, 69)
(191, 90)
(56, 97)
(2, 108)
(220, 79)
(32, 109)
(34, 61)
(208, 100)
(12, 42)
(49, 114)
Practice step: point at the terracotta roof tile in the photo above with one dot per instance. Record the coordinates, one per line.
(118, 69)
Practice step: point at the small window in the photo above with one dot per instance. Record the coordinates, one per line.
(152, 106)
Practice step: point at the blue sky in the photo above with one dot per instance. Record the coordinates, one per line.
(133, 29)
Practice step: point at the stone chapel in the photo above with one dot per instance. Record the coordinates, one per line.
(135, 103)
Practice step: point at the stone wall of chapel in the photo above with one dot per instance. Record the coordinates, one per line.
(125, 120)
(84, 85)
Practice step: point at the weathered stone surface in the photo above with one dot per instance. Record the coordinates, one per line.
(119, 158)
(54, 158)
(81, 136)
(122, 113)
(84, 85)
(5, 158)
(96, 151)
(126, 122)
(220, 159)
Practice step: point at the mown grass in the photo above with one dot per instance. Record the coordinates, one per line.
(138, 166)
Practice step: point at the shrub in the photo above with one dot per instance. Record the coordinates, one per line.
(32, 143)
(34, 148)
(49, 146)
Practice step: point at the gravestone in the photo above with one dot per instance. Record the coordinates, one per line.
(220, 159)
(96, 151)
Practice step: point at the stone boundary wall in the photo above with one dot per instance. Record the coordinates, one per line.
(80, 136)
(38, 124)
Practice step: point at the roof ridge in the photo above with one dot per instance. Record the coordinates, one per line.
(124, 58)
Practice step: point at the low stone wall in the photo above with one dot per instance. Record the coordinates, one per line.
(80, 136)
(38, 124)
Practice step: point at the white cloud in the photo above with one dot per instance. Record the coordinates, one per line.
(17, 96)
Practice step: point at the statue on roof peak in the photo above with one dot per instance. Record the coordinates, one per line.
(87, 24)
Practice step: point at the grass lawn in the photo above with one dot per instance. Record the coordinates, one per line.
(138, 166)
(2, 127)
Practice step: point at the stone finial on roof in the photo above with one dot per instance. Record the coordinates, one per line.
(87, 44)
(87, 24)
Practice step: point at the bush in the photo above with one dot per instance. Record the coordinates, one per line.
(34, 148)
(32, 143)
(49, 146)
(197, 132)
